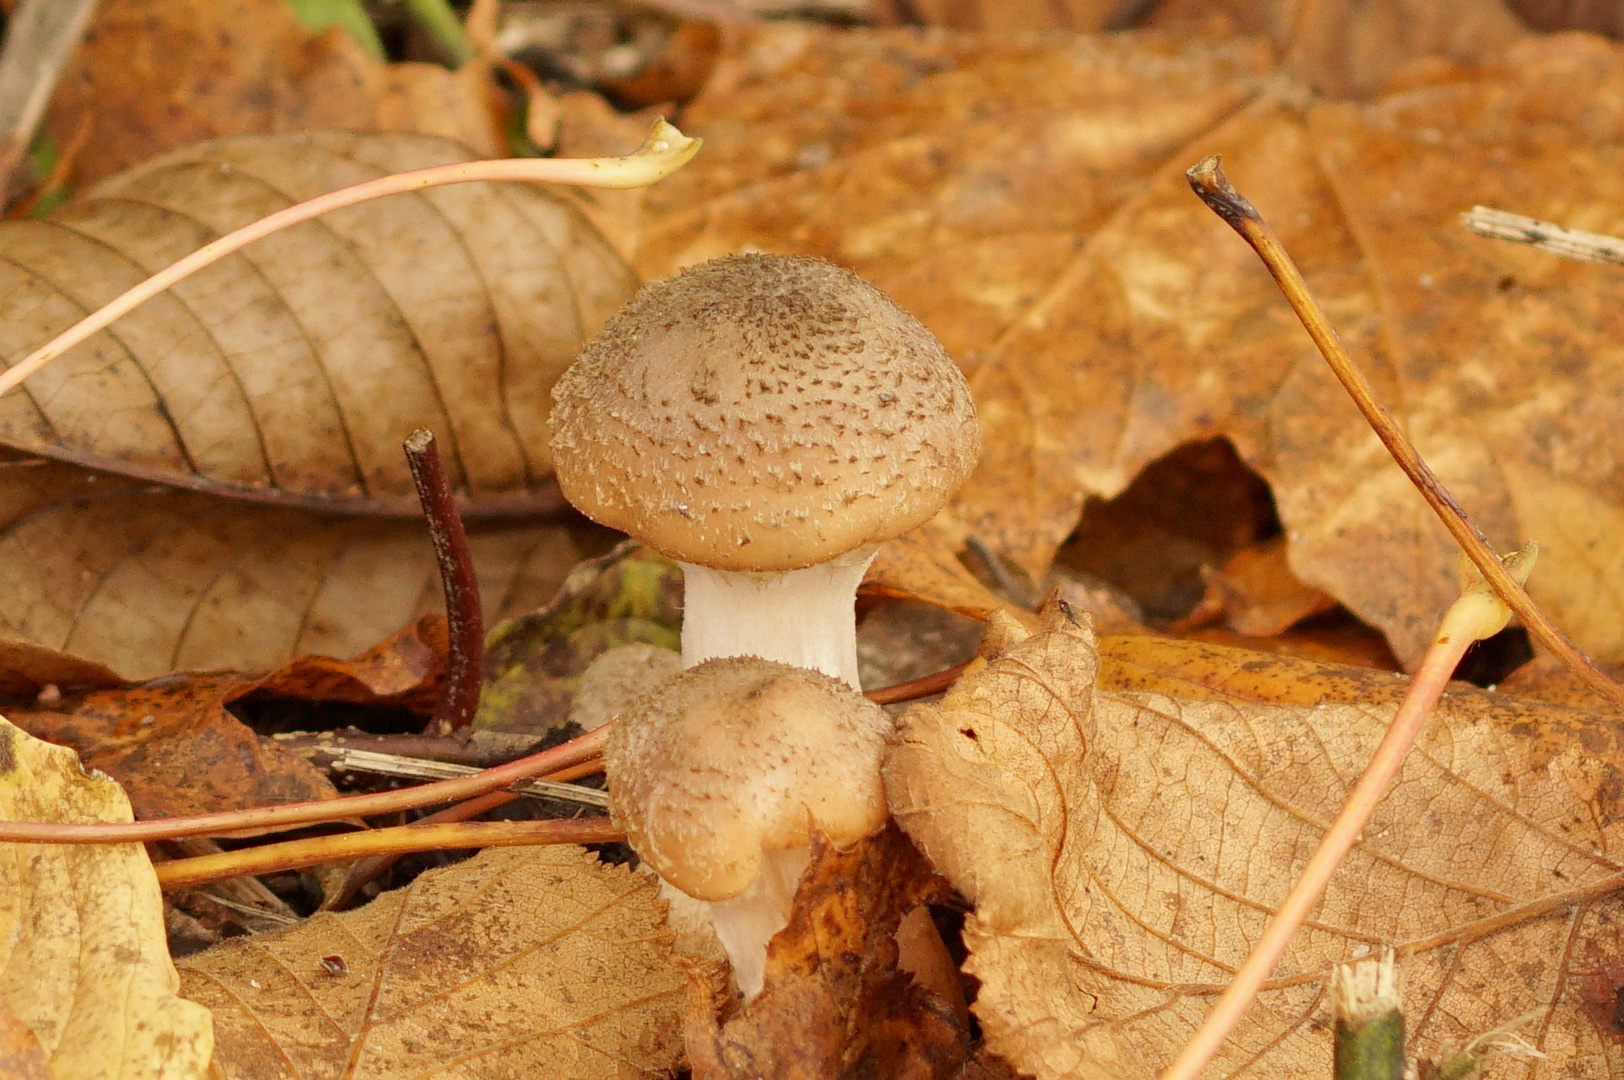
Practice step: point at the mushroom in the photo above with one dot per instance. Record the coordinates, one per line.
(719, 774)
(767, 421)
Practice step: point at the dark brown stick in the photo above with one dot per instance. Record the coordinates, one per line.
(1208, 180)
(465, 661)
(934, 683)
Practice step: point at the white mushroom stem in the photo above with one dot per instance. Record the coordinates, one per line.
(806, 618)
(746, 923)
(802, 617)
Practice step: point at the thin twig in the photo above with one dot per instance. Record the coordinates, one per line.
(422, 769)
(664, 152)
(399, 840)
(364, 870)
(1478, 614)
(265, 818)
(321, 747)
(40, 38)
(465, 625)
(1574, 243)
(1208, 180)
(934, 683)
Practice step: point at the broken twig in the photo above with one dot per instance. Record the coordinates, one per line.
(1574, 243)
(465, 625)
(1208, 181)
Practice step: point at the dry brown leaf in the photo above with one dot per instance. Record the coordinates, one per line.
(154, 75)
(292, 370)
(921, 565)
(962, 176)
(1341, 48)
(835, 1005)
(1197, 670)
(957, 172)
(519, 962)
(1123, 849)
(83, 963)
(177, 749)
(153, 581)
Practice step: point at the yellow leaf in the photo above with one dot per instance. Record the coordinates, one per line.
(83, 960)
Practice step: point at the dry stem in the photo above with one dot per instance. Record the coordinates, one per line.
(393, 841)
(1208, 180)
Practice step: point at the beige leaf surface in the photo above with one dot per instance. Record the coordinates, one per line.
(1026, 200)
(519, 962)
(1123, 850)
(153, 581)
(83, 960)
(292, 370)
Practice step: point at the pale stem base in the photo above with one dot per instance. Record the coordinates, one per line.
(748, 921)
(801, 617)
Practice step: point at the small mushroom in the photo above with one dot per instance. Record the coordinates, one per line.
(719, 774)
(767, 421)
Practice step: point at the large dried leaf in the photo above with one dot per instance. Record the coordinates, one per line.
(153, 75)
(520, 962)
(292, 370)
(1027, 201)
(152, 581)
(1124, 849)
(959, 173)
(83, 963)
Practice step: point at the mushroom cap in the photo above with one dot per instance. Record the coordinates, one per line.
(738, 756)
(762, 412)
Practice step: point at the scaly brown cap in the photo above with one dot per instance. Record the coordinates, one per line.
(762, 412)
(740, 755)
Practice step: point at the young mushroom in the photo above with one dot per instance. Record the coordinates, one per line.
(767, 421)
(719, 774)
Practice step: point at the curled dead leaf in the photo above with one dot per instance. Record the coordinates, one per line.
(835, 1006)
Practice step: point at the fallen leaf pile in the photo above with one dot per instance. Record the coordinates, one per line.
(1123, 848)
(212, 489)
